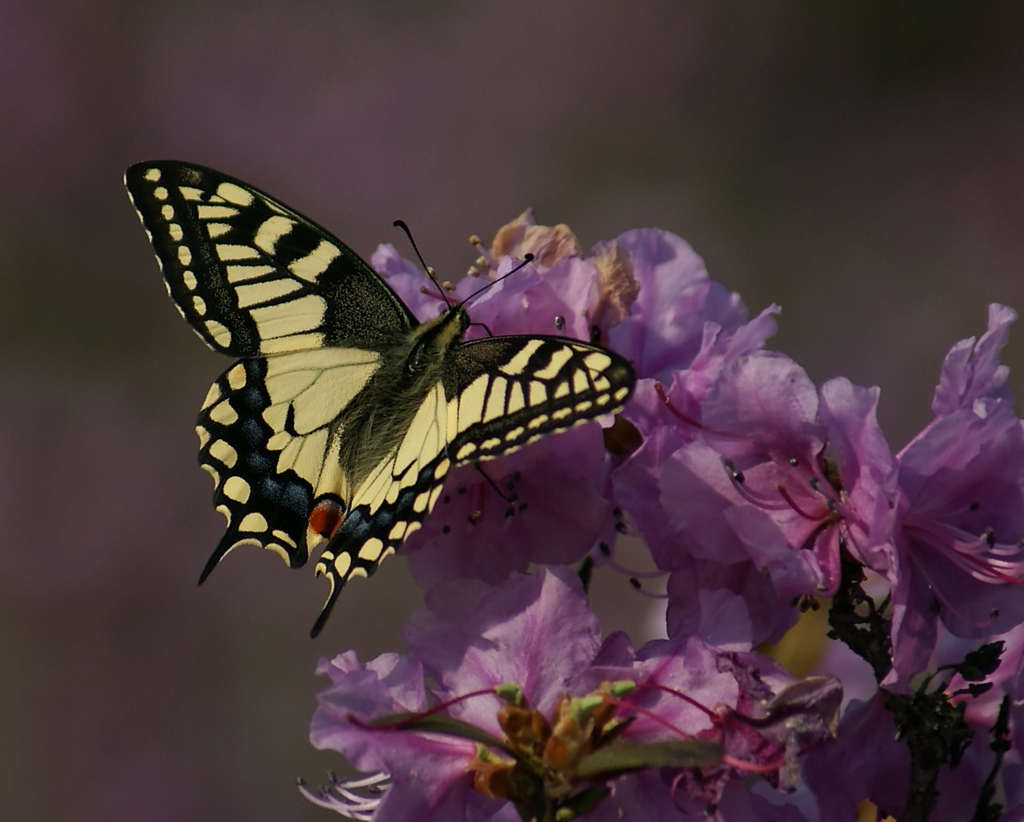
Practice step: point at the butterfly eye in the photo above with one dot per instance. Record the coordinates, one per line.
(559, 322)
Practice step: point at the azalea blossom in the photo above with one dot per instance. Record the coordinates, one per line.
(530, 707)
(960, 529)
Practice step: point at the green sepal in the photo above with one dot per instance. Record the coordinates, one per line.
(439, 724)
(620, 757)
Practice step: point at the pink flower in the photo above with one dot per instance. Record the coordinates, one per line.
(961, 512)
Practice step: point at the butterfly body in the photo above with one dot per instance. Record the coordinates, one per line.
(337, 426)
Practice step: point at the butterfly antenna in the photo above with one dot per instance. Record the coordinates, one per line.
(428, 269)
(527, 259)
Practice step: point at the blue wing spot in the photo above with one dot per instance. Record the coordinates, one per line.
(258, 463)
(252, 432)
(296, 498)
(253, 399)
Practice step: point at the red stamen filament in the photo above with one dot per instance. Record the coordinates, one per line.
(675, 412)
(974, 555)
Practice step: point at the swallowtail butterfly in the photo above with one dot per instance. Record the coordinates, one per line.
(337, 426)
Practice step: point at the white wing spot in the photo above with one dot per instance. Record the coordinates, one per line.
(517, 365)
(441, 469)
(538, 393)
(561, 413)
(294, 317)
(287, 538)
(184, 255)
(281, 439)
(465, 451)
(175, 231)
(236, 252)
(537, 422)
(191, 194)
(471, 402)
(272, 230)
(236, 377)
(583, 407)
(597, 361)
(620, 395)
(189, 279)
(160, 193)
(558, 359)
(496, 399)
(151, 174)
(199, 305)
(216, 230)
(204, 436)
(561, 391)
(516, 398)
(580, 383)
(434, 494)
(253, 521)
(259, 293)
(215, 212)
(515, 434)
(237, 489)
(315, 263)
(371, 550)
(342, 564)
(225, 453)
(167, 211)
(234, 194)
(224, 414)
(241, 273)
(212, 396)
(490, 444)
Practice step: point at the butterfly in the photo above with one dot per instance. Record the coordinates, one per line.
(337, 425)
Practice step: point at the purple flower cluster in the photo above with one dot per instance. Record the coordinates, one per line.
(759, 496)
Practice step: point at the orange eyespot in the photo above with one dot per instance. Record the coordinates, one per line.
(326, 517)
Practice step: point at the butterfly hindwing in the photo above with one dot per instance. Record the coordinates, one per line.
(264, 431)
(253, 277)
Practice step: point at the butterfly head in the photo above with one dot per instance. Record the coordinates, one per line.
(436, 337)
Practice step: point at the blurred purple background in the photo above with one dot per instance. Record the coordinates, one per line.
(862, 164)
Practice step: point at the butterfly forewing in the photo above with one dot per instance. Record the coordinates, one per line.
(510, 391)
(339, 427)
(253, 277)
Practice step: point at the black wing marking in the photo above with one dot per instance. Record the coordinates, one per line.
(253, 277)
